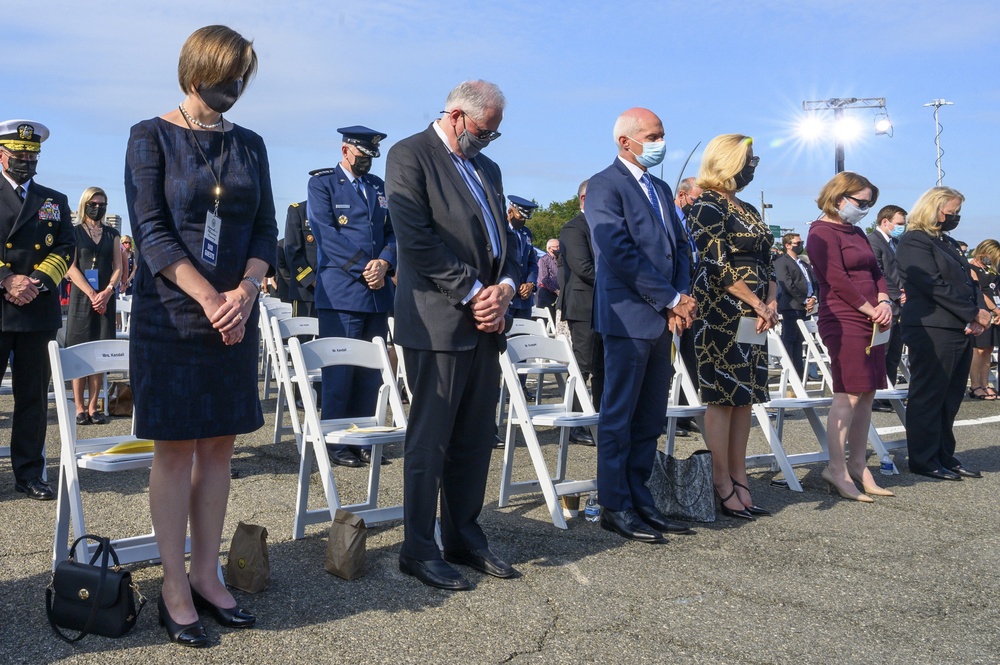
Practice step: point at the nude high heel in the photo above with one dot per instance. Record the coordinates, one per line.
(857, 496)
(872, 489)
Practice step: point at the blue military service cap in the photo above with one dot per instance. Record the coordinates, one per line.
(364, 139)
(523, 205)
(23, 135)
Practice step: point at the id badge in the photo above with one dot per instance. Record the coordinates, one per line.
(210, 244)
(91, 276)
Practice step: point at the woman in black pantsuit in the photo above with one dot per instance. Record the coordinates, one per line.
(940, 314)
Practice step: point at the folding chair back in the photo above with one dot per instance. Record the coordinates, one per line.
(271, 308)
(544, 314)
(123, 307)
(816, 352)
(527, 327)
(308, 360)
(281, 330)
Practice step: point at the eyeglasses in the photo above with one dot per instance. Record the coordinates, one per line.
(482, 134)
(861, 203)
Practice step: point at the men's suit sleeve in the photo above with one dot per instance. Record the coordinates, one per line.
(295, 248)
(511, 269)
(574, 242)
(337, 249)
(532, 272)
(410, 208)
(617, 247)
(915, 255)
(53, 267)
(682, 254)
(388, 253)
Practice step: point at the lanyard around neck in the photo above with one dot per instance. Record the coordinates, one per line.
(222, 161)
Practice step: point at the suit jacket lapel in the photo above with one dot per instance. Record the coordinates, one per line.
(496, 208)
(448, 167)
(10, 202)
(32, 202)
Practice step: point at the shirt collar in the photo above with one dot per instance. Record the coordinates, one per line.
(441, 135)
(636, 172)
(13, 184)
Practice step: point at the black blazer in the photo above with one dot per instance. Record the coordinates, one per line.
(890, 267)
(939, 290)
(300, 254)
(576, 274)
(36, 239)
(792, 286)
(443, 246)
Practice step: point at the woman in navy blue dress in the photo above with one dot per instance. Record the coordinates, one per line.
(200, 203)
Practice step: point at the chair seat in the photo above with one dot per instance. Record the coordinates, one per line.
(364, 439)
(564, 419)
(684, 411)
(892, 393)
(799, 403)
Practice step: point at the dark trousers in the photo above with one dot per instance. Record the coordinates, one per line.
(894, 351)
(303, 308)
(690, 358)
(350, 392)
(31, 373)
(636, 383)
(449, 443)
(588, 349)
(791, 337)
(939, 368)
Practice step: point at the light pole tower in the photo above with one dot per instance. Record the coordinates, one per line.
(937, 104)
(838, 105)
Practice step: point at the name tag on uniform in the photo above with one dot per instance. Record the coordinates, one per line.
(91, 276)
(345, 206)
(210, 244)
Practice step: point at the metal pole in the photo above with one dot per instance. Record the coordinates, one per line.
(838, 114)
(937, 143)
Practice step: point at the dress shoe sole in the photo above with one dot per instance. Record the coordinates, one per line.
(461, 561)
(35, 496)
(639, 538)
(934, 476)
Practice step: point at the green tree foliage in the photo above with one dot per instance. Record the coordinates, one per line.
(547, 222)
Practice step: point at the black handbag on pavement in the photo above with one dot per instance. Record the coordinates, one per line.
(89, 598)
(682, 488)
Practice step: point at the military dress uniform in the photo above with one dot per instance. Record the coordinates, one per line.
(349, 217)
(300, 253)
(527, 258)
(37, 241)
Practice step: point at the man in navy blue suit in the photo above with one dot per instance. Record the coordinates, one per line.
(640, 299)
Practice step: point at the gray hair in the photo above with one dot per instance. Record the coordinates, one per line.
(477, 98)
(687, 184)
(627, 124)
(582, 189)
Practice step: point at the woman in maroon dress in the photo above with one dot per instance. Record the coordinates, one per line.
(853, 298)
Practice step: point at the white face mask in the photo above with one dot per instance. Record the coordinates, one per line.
(851, 213)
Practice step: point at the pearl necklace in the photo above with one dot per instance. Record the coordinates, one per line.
(200, 124)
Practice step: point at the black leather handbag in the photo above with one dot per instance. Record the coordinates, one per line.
(90, 597)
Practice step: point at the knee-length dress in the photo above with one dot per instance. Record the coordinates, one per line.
(186, 382)
(848, 274)
(731, 246)
(989, 285)
(83, 324)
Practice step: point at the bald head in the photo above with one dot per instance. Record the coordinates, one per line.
(633, 128)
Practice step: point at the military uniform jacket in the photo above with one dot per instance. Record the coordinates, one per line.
(350, 230)
(300, 253)
(38, 241)
(528, 260)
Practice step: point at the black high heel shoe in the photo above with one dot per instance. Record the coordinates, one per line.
(186, 635)
(729, 512)
(232, 617)
(755, 510)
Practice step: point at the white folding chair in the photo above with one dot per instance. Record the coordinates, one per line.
(532, 368)
(544, 314)
(681, 384)
(309, 359)
(281, 330)
(401, 379)
(271, 308)
(72, 363)
(816, 353)
(123, 307)
(527, 417)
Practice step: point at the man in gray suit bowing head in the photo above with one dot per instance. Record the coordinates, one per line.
(457, 272)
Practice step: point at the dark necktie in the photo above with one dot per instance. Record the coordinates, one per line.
(655, 200)
(20, 193)
(359, 188)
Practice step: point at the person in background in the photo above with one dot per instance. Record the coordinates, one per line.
(884, 240)
(301, 260)
(985, 258)
(688, 192)
(548, 277)
(199, 199)
(797, 291)
(282, 276)
(95, 274)
(518, 213)
(735, 281)
(852, 300)
(129, 265)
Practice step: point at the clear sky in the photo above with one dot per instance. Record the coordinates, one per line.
(89, 70)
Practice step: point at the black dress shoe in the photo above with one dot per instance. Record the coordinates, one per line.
(882, 406)
(582, 436)
(965, 473)
(529, 396)
(36, 489)
(365, 455)
(435, 573)
(186, 635)
(98, 418)
(498, 442)
(628, 525)
(654, 518)
(344, 457)
(83, 418)
(484, 560)
(232, 617)
(688, 425)
(939, 474)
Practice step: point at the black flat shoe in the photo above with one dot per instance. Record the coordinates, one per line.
(83, 418)
(754, 510)
(965, 473)
(98, 418)
(484, 560)
(435, 573)
(187, 635)
(729, 512)
(939, 474)
(232, 617)
(657, 520)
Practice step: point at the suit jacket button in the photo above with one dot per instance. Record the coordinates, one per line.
(10, 245)
(38, 246)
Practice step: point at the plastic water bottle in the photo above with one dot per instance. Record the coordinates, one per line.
(886, 466)
(592, 511)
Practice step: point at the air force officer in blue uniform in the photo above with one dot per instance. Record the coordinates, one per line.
(640, 297)
(349, 215)
(518, 213)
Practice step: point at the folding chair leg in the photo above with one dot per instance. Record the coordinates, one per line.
(507, 471)
(879, 446)
(774, 441)
(544, 480)
(279, 415)
(562, 455)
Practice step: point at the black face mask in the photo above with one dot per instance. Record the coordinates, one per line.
(362, 165)
(220, 98)
(744, 177)
(950, 222)
(687, 209)
(96, 211)
(20, 170)
(797, 248)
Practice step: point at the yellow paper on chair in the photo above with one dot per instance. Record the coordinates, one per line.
(137, 447)
(354, 429)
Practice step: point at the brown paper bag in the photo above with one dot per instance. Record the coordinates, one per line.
(120, 399)
(248, 568)
(345, 547)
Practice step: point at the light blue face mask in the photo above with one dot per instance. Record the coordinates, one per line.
(652, 153)
(898, 231)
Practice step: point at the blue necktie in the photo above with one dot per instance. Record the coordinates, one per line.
(654, 199)
(359, 188)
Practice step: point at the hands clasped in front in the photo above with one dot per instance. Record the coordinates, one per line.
(99, 300)
(231, 314)
(374, 273)
(979, 324)
(489, 306)
(21, 289)
(682, 315)
(882, 315)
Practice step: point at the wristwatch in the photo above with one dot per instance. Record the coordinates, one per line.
(887, 302)
(254, 281)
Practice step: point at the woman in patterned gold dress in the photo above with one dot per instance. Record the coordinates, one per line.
(734, 280)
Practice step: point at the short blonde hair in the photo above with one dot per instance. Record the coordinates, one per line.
(725, 156)
(89, 193)
(989, 249)
(925, 212)
(215, 54)
(839, 186)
